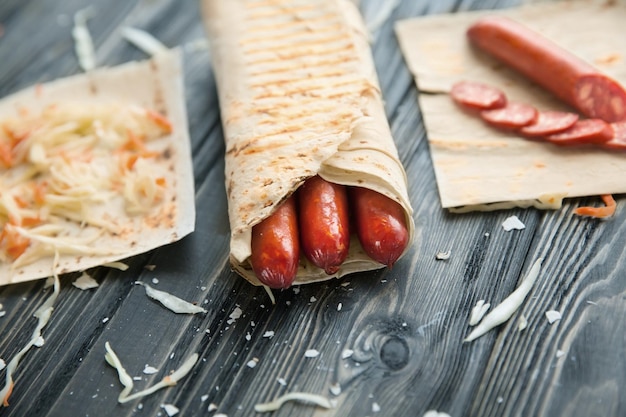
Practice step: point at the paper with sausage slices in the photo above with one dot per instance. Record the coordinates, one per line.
(94, 168)
(479, 167)
(299, 97)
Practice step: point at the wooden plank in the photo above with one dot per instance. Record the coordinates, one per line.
(405, 326)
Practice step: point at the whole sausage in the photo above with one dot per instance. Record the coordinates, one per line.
(380, 225)
(275, 246)
(324, 223)
(568, 77)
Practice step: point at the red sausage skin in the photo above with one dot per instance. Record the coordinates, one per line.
(586, 131)
(324, 223)
(380, 225)
(276, 247)
(566, 76)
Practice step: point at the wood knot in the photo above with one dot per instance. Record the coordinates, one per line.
(395, 353)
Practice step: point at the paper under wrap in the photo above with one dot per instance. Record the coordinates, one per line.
(155, 84)
(479, 167)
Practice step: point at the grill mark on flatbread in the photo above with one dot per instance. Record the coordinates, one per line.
(303, 82)
(289, 44)
(274, 26)
(313, 89)
(278, 10)
(300, 53)
(319, 30)
(308, 65)
(282, 81)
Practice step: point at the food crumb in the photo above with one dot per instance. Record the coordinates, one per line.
(296, 290)
(513, 222)
(339, 306)
(85, 282)
(252, 362)
(269, 334)
(522, 324)
(311, 353)
(312, 299)
(3, 364)
(212, 407)
(237, 312)
(435, 413)
(375, 408)
(248, 336)
(149, 370)
(335, 389)
(559, 353)
(500, 400)
(104, 320)
(170, 409)
(3, 313)
(442, 256)
(204, 397)
(282, 381)
(155, 281)
(553, 316)
(346, 353)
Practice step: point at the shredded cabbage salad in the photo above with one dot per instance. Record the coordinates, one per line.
(63, 165)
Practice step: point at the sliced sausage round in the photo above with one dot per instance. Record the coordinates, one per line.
(477, 96)
(618, 141)
(583, 132)
(512, 116)
(549, 122)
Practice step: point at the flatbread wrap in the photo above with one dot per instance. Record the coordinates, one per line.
(299, 97)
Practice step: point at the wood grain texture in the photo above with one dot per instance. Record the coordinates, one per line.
(405, 326)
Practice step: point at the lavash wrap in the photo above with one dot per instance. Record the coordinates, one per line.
(299, 96)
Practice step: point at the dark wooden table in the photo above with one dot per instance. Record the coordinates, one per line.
(405, 326)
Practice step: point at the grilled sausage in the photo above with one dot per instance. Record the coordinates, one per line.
(276, 247)
(324, 223)
(380, 225)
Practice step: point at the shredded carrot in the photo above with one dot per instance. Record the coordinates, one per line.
(160, 120)
(15, 138)
(160, 181)
(39, 192)
(21, 203)
(6, 156)
(130, 162)
(599, 212)
(5, 400)
(30, 221)
(135, 143)
(16, 244)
